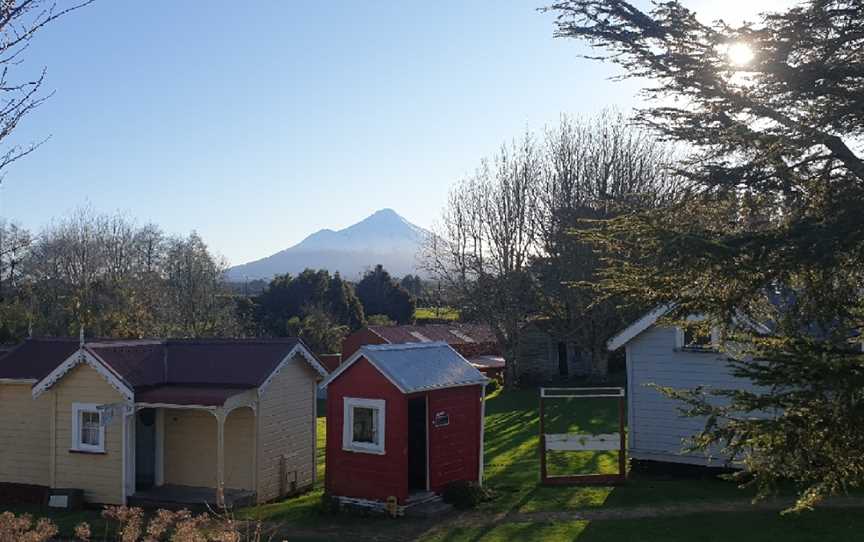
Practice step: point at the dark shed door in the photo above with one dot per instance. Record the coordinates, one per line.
(417, 426)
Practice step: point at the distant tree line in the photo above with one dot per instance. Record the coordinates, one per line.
(322, 309)
(113, 278)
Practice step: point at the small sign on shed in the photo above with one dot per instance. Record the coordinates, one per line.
(442, 419)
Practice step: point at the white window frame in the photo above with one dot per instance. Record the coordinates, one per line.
(348, 442)
(77, 445)
(712, 346)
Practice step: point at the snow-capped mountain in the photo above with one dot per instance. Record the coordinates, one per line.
(384, 237)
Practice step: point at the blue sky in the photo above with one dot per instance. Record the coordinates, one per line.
(257, 123)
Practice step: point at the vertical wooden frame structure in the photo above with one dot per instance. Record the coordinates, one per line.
(579, 442)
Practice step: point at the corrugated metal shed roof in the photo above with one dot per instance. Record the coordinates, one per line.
(414, 367)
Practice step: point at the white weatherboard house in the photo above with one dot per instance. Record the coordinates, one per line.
(668, 356)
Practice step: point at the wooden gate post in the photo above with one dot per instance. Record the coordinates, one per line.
(542, 442)
(622, 454)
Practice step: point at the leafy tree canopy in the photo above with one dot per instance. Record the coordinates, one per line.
(380, 294)
(290, 297)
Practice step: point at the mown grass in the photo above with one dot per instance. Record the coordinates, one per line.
(821, 525)
(513, 460)
(512, 473)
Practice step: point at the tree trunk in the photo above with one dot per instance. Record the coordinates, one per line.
(599, 365)
(511, 372)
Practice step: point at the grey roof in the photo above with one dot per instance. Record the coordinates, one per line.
(414, 367)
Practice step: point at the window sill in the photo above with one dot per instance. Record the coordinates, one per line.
(360, 450)
(90, 452)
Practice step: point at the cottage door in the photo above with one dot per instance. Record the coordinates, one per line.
(563, 366)
(145, 449)
(417, 428)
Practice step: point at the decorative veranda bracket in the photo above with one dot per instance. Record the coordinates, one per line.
(581, 442)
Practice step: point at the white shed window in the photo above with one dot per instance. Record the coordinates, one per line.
(88, 433)
(363, 425)
(697, 339)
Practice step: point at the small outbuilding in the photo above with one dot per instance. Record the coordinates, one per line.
(662, 354)
(403, 422)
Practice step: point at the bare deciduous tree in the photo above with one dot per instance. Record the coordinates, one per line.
(120, 280)
(484, 247)
(593, 169)
(508, 247)
(196, 291)
(19, 22)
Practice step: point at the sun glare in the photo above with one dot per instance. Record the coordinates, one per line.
(739, 54)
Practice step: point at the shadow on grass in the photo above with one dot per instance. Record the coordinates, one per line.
(821, 525)
(513, 461)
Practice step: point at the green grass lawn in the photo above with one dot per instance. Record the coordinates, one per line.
(513, 460)
(512, 473)
(822, 526)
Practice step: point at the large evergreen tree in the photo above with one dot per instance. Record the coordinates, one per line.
(288, 298)
(380, 294)
(774, 115)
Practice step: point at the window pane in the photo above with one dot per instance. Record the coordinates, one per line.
(696, 338)
(90, 428)
(365, 425)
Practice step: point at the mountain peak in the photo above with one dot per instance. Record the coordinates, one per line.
(383, 237)
(384, 215)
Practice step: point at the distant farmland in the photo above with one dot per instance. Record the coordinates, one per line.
(436, 313)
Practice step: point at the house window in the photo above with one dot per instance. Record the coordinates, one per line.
(88, 433)
(363, 425)
(697, 339)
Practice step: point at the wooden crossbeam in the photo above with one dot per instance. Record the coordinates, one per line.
(578, 443)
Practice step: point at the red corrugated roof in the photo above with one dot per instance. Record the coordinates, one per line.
(35, 358)
(449, 333)
(138, 363)
(206, 370)
(487, 362)
(229, 363)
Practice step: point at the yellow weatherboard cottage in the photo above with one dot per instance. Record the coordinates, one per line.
(151, 422)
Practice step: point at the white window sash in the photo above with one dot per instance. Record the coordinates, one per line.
(379, 423)
(78, 409)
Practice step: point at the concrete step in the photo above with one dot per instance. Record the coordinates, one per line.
(429, 509)
(421, 497)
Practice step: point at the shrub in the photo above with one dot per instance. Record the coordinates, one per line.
(22, 528)
(463, 494)
(492, 386)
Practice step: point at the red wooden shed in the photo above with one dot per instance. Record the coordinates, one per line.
(403, 421)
